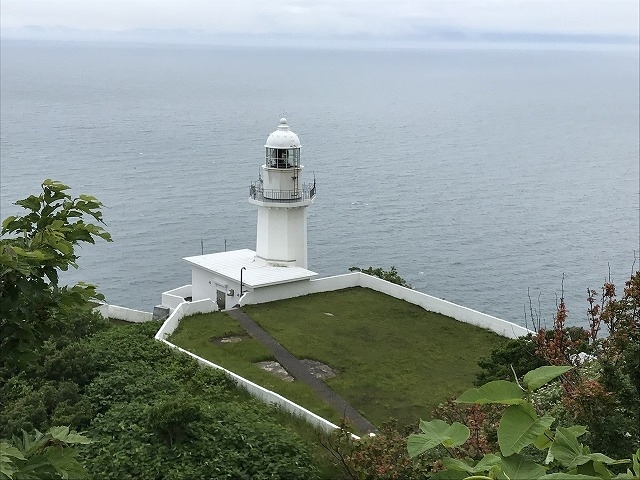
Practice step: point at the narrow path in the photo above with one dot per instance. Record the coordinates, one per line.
(300, 371)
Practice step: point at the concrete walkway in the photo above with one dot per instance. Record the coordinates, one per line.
(301, 372)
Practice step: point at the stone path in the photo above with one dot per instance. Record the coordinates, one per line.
(301, 372)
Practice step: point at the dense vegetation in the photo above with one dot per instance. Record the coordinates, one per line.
(147, 411)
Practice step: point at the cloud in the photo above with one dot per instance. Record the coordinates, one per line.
(332, 17)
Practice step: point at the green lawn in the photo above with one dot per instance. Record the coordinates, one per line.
(195, 334)
(395, 360)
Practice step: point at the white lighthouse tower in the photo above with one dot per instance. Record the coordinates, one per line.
(282, 200)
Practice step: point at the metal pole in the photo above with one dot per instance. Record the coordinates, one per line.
(241, 284)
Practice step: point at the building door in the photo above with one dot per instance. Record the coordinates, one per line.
(220, 299)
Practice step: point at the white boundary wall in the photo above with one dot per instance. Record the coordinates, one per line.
(204, 306)
(358, 279)
(123, 313)
(184, 309)
(175, 297)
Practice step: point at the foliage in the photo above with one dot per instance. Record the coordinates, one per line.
(34, 248)
(516, 355)
(43, 455)
(229, 441)
(482, 421)
(172, 417)
(383, 456)
(520, 429)
(603, 392)
(390, 275)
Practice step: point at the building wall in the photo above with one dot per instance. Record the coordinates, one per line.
(281, 179)
(205, 285)
(298, 289)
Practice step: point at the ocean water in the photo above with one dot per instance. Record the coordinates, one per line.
(481, 175)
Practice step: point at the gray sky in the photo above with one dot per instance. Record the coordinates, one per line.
(374, 17)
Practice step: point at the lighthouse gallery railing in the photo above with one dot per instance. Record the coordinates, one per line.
(307, 192)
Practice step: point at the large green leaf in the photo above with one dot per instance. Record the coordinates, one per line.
(489, 464)
(68, 436)
(456, 435)
(498, 391)
(543, 375)
(457, 465)
(545, 440)
(65, 463)
(519, 427)
(436, 432)
(519, 467)
(570, 453)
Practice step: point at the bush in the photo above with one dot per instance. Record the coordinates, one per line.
(519, 354)
(227, 441)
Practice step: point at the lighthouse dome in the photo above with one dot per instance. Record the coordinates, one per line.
(283, 137)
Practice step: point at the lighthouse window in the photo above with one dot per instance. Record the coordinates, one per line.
(283, 157)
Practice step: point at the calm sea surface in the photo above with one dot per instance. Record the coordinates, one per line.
(477, 173)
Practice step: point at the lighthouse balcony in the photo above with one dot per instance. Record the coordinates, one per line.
(301, 197)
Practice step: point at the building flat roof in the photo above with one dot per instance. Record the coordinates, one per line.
(257, 274)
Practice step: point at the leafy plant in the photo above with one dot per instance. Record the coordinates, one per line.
(42, 455)
(390, 275)
(34, 248)
(520, 429)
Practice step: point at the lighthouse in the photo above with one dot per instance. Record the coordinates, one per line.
(282, 200)
(278, 266)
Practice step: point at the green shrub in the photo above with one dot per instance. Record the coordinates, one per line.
(519, 354)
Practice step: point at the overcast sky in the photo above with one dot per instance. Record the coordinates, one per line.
(371, 17)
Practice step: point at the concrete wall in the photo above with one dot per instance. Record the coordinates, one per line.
(358, 279)
(267, 396)
(206, 284)
(123, 313)
(175, 297)
(298, 289)
(183, 310)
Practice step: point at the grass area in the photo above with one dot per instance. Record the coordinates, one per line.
(195, 334)
(394, 359)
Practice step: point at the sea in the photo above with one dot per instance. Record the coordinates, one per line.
(499, 178)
